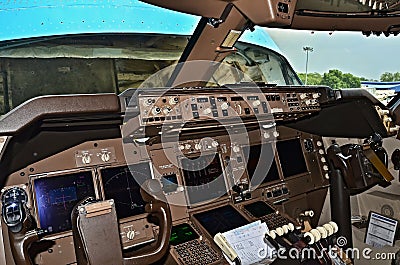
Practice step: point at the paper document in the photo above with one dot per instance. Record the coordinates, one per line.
(248, 242)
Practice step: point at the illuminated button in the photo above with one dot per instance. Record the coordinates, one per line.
(236, 149)
(194, 107)
(206, 111)
(256, 103)
(224, 106)
(321, 151)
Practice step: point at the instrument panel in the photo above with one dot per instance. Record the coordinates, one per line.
(207, 175)
(174, 108)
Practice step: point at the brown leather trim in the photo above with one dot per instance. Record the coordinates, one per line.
(57, 106)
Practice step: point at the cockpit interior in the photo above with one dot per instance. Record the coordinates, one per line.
(147, 148)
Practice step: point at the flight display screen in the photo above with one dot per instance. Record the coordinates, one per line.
(291, 157)
(204, 178)
(220, 220)
(57, 196)
(258, 209)
(181, 234)
(260, 157)
(122, 184)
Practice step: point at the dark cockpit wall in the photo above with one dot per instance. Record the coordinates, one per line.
(59, 150)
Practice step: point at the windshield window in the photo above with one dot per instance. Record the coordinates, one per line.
(113, 63)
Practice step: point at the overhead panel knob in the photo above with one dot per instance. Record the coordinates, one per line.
(173, 100)
(130, 235)
(156, 110)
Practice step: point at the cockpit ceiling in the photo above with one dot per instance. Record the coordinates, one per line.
(351, 15)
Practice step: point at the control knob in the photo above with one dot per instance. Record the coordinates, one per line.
(173, 100)
(166, 110)
(303, 96)
(86, 159)
(156, 111)
(316, 95)
(214, 144)
(309, 238)
(105, 156)
(148, 102)
(130, 235)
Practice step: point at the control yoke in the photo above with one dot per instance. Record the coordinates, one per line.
(96, 232)
(22, 229)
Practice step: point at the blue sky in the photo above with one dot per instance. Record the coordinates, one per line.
(350, 52)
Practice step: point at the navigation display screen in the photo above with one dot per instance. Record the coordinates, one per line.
(181, 234)
(220, 219)
(57, 196)
(204, 178)
(291, 157)
(260, 158)
(258, 209)
(123, 185)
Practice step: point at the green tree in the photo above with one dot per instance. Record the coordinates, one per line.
(337, 80)
(312, 78)
(390, 77)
